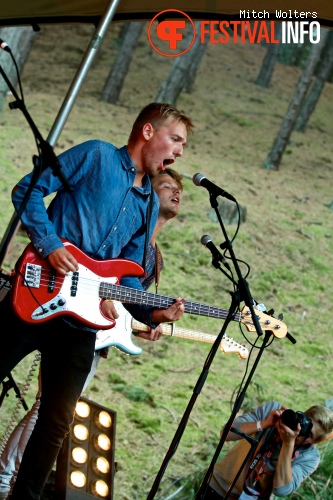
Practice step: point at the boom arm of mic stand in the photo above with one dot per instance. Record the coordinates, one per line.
(248, 438)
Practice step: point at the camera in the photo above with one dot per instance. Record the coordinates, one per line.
(291, 418)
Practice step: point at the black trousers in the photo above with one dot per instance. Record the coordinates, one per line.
(66, 357)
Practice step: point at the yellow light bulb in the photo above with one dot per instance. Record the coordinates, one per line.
(80, 432)
(104, 419)
(78, 479)
(101, 488)
(79, 455)
(82, 410)
(102, 465)
(103, 442)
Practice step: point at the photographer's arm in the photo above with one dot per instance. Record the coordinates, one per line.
(283, 473)
(253, 427)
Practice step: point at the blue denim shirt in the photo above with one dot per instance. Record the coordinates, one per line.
(104, 215)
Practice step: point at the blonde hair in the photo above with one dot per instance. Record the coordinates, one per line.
(324, 418)
(157, 113)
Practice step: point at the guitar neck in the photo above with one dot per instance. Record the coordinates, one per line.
(227, 345)
(133, 296)
(176, 331)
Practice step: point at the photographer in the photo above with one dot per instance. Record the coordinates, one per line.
(285, 455)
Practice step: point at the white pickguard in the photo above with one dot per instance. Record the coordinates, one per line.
(120, 335)
(87, 301)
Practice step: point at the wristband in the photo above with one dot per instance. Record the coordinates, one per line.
(259, 428)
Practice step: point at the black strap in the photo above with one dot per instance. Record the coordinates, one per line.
(148, 217)
(158, 266)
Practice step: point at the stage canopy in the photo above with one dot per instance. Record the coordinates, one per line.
(35, 12)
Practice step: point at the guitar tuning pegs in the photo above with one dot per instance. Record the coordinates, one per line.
(261, 307)
(270, 312)
(280, 316)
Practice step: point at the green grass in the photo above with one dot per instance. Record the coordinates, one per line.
(286, 240)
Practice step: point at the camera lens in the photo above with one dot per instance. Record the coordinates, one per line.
(291, 419)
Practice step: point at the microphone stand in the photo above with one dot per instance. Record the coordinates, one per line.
(196, 391)
(46, 159)
(244, 294)
(8, 385)
(236, 298)
(201, 494)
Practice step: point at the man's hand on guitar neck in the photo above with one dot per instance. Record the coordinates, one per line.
(62, 261)
(173, 313)
(153, 334)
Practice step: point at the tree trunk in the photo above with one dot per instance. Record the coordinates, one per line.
(274, 157)
(179, 72)
(324, 70)
(200, 50)
(268, 64)
(20, 40)
(114, 83)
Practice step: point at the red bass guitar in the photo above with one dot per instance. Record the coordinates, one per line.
(39, 293)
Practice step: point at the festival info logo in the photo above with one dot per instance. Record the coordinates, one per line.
(171, 32)
(171, 38)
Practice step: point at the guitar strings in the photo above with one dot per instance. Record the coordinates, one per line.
(128, 295)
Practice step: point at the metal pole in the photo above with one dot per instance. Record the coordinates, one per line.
(66, 108)
(82, 72)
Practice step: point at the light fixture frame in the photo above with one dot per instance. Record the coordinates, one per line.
(63, 488)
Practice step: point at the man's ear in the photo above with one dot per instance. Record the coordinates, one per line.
(147, 131)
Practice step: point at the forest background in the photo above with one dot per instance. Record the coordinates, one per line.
(286, 239)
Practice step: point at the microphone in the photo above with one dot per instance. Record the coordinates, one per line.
(201, 180)
(4, 46)
(217, 256)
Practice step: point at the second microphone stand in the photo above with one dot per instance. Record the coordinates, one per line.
(236, 298)
(244, 294)
(241, 293)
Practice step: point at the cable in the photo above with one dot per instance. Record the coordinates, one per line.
(11, 424)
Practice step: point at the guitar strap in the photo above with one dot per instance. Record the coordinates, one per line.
(257, 472)
(158, 266)
(148, 217)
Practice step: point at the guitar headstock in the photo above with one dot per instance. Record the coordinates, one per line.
(267, 323)
(230, 346)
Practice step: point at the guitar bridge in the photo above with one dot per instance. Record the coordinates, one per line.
(32, 275)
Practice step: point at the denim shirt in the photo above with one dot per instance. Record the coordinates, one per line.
(104, 215)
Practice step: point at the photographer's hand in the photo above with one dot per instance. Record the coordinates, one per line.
(287, 435)
(283, 473)
(273, 418)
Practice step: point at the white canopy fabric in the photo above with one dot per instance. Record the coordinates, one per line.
(21, 12)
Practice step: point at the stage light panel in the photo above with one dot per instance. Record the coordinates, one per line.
(85, 465)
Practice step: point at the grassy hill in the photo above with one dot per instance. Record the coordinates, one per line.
(286, 240)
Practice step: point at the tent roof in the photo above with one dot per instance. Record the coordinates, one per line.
(23, 12)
